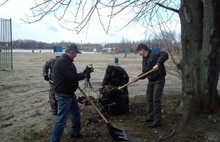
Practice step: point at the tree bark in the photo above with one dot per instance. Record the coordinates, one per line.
(210, 64)
(200, 60)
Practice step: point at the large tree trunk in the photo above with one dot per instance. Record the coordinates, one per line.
(200, 61)
(210, 65)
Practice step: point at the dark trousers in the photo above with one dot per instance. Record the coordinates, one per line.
(126, 100)
(52, 98)
(153, 97)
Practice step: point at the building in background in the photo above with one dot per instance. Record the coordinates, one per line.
(57, 48)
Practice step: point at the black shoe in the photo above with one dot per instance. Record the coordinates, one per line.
(79, 135)
(54, 113)
(153, 125)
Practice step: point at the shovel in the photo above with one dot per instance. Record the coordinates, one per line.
(143, 75)
(115, 133)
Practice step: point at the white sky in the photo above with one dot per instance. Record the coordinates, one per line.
(48, 30)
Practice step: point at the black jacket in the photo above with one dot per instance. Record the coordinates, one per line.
(120, 77)
(151, 60)
(66, 78)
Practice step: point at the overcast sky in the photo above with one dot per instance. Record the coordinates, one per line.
(48, 29)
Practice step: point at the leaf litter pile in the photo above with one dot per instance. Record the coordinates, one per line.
(133, 124)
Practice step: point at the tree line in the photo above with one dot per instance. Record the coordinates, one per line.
(124, 45)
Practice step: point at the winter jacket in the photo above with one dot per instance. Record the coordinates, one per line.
(120, 77)
(151, 60)
(66, 78)
(48, 68)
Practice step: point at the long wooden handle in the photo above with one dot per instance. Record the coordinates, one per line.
(106, 121)
(121, 87)
(143, 75)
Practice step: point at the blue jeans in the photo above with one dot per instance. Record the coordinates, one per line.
(66, 106)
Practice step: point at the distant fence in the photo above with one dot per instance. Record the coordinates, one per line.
(6, 57)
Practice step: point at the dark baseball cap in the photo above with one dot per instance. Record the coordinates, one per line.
(73, 47)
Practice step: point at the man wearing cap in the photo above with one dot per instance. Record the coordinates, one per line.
(66, 80)
(156, 81)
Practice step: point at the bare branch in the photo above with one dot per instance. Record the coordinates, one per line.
(42, 13)
(123, 8)
(100, 20)
(77, 11)
(3, 3)
(140, 11)
(169, 45)
(169, 8)
(64, 12)
(88, 17)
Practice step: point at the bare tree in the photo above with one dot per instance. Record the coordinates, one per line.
(200, 37)
(76, 15)
(201, 60)
(166, 40)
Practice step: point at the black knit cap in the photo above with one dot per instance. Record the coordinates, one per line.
(142, 46)
(109, 69)
(73, 47)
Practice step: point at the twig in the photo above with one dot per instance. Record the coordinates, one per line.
(4, 2)
(169, 8)
(167, 137)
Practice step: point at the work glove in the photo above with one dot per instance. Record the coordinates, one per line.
(88, 70)
(46, 78)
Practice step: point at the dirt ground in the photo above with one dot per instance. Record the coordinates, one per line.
(25, 113)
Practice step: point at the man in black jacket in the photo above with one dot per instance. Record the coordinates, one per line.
(117, 76)
(155, 61)
(65, 82)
